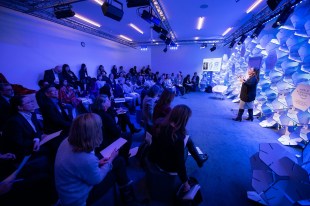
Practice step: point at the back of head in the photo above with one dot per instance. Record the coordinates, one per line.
(85, 132)
(153, 91)
(179, 116)
(98, 103)
(166, 97)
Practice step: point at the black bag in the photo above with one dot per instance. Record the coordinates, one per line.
(179, 201)
(208, 89)
(143, 152)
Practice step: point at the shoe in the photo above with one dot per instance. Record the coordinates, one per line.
(237, 119)
(249, 119)
(202, 159)
(135, 130)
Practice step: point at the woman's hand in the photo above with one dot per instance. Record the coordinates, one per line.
(186, 187)
(7, 156)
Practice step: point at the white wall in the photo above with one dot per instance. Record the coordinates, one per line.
(30, 45)
(187, 58)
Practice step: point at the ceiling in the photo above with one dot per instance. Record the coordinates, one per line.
(180, 19)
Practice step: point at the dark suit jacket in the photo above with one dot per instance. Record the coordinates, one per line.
(18, 136)
(5, 112)
(50, 78)
(53, 119)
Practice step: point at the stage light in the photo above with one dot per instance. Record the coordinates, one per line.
(165, 49)
(166, 39)
(160, 30)
(232, 43)
(137, 3)
(112, 11)
(147, 16)
(63, 11)
(257, 31)
(243, 37)
(273, 4)
(213, 48)
(287, 11)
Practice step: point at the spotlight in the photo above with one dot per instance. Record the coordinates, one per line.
(147, 16)
(273, 4)
(137, 3)
(112, 11)
(203, 45)
(243, 37)
(213, 48)
(283, 16)
(160, 30)
(165, 49)
(232, 43)
(63, 11)
(257, 31)
(166, 39)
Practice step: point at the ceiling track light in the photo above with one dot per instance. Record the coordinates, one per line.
(159, 29)
(287, 11)
(213, 48)
(231, 45)
(112, 11)
(149, 17)
(242, 39)
(63, 11)
(165, 49)
(257, 31)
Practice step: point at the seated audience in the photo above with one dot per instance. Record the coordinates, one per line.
(168, 143)
(70, 76)
(178, 83)
(6, 93)
(187, 84)
(55, 117)
(81, 178)
(163, 105)
(195, 82)
(148, 107)
(101, 71)
(67, 95)
(54, 76)
(40, 94)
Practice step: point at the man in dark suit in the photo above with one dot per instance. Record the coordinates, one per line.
(55, 117)
(54, 76)
(6, 93)
(22, 133)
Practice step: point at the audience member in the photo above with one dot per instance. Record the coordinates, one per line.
(168, 143)
(54, 115)
(163, 105)
(195, 82)
(54, 76)
(101, 71)
(6, 93)
(148, 107)
(81, 178)
(110, 129)
(40, 94)
(70, 76)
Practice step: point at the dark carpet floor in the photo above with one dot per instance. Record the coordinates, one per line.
(226, 177)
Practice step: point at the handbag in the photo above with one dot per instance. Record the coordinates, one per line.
(182, 198)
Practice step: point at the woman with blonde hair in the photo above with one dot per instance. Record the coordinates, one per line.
(168, 143)
(80, 177)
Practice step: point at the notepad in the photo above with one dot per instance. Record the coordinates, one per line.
(49, 137)
(106, 152)
(190, 195)
(20, 166)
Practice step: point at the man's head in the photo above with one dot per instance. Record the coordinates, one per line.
(51, 92)
(6, 90)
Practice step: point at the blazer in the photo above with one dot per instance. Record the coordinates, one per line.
(5, 111)
(50, 78)
(53, 119)
(18, 136)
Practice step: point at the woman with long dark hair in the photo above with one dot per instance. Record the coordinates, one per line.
(168, 143)
(248, 94)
